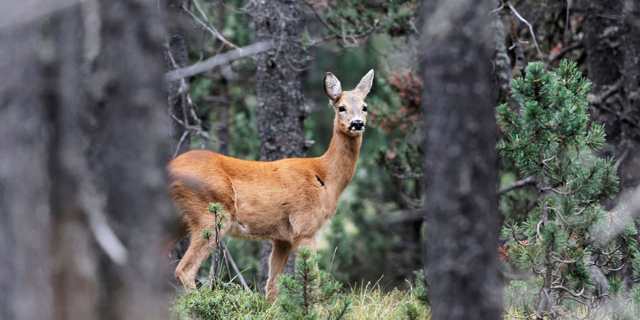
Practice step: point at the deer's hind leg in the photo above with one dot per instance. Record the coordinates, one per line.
(199, 249)
(277, 263)
(194, 210)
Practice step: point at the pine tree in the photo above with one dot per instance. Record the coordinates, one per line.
(311, 293)
(569, 235)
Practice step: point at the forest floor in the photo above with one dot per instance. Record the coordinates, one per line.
(367, 303)
(234, 303)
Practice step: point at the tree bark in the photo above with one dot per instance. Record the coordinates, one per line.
(612, 43)
(281, 108)
(461, 161)
(82, 179)
(25, 215)
(176, 56)
(613, 48)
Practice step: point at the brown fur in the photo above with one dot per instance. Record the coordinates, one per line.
(285, 201)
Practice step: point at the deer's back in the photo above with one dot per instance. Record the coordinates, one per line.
(265, 199)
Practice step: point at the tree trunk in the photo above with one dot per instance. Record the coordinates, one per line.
(613, 49)
(461, 161)
(612, 43)
(82, 179)
(176, 56)
(281, 108)
(25, 215)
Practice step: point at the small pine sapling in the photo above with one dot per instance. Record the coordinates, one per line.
(311, 293)
(569, 235)
(220, 215)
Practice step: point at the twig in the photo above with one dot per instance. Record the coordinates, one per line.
(319, 17)
(94, 204)
(497, 9)
(579, 294)
(338, 35)
(217, 60)
(538, 230)
(234, 266)
(556, 191)
(559, 215)
(564, 51)
(208, 26)
(517, 184)
(184, 136)
(533, 35)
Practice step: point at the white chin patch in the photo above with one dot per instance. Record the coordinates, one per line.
(359, 131)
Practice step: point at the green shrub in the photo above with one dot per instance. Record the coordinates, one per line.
(225, 302)
(569, 233)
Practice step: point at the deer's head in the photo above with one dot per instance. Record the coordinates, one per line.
(351, 110)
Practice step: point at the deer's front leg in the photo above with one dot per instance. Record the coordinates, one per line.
(277, 263)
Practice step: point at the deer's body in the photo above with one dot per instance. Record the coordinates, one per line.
(286, 201)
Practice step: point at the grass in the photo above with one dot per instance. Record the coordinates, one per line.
(231, 302)
(373, 303)
(367, 303)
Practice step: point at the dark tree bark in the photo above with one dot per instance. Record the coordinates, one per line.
(613, 49)
(82, 179)
(461, 161)
(25, 216)
(176, 56)
(502, 63)
(281, 108)
(612, 43)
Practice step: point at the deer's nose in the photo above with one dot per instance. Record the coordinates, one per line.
(356, 125)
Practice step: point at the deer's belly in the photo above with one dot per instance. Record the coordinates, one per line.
(269, 214)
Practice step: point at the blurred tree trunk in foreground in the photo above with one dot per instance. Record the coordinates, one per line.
(612, 43)
(82, 183)
(281, 108)
(25, 215)
(461, 161)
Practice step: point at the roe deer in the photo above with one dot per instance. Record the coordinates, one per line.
(286, 201)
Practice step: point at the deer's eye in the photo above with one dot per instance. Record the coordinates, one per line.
(341, 109)
(364, 109)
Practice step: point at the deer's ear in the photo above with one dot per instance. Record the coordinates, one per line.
(332, 86)
(365, 83)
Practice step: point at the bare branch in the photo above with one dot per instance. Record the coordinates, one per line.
(518, 184)
(533, 35)
(217, 60)
(235, 267)
(335, 34)
(208, 26)
(564, 51)
(579, 294)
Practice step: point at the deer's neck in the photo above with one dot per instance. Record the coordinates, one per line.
(341, 159)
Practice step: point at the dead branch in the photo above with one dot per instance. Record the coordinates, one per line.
(234, 266)
(207, 26)
(533, 35)
(518, 184)
(335, 34)
(217, 60)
